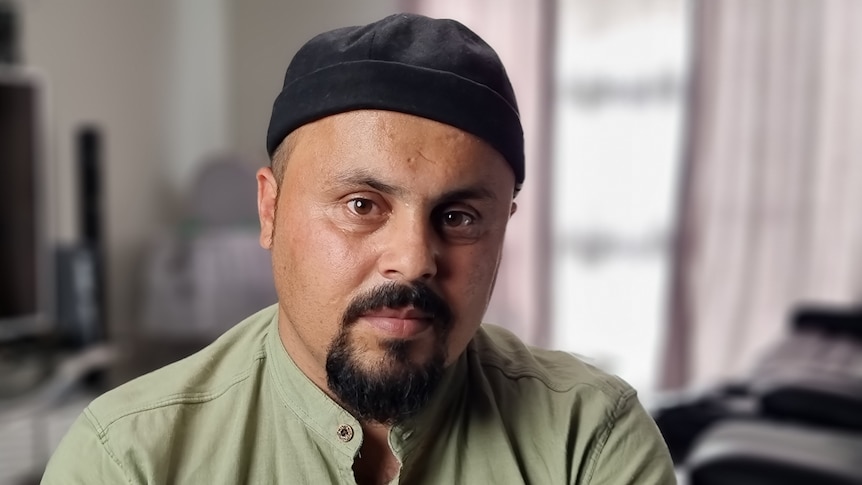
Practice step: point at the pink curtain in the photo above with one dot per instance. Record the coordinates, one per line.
(521, 33)
(771, 210)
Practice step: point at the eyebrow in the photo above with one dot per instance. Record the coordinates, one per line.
(360, 177)
(363, 177)
(467, 193)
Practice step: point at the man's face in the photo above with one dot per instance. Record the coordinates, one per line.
(386, 235)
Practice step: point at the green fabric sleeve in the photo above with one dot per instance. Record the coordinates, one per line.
(630, 450)
(83, 458)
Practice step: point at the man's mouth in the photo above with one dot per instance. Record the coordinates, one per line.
(407, 322)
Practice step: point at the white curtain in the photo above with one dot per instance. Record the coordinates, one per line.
(771, 214)
(520, 32)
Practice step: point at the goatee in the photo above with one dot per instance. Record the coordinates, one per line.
(396, 388)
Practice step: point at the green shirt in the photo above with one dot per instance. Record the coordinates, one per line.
(240, 411)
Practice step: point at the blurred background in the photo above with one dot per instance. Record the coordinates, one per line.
(690, 219)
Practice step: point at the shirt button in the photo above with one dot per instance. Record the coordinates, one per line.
(345, 433)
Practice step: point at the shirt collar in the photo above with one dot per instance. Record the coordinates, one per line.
(416, 432)
(308, 402)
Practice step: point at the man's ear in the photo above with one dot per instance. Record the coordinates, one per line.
(267, 195)
(513, 209)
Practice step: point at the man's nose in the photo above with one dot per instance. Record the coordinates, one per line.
(410, 251)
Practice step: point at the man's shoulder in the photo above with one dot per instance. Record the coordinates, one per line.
(202, 377)
(505, 358)
(593, 424)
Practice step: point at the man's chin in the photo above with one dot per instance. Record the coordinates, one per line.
(388, 384)
(371, 350)
(391, 359)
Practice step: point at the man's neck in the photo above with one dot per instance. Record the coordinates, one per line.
(376, 464)
(301, 355)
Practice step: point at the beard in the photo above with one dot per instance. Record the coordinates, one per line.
(394, 388)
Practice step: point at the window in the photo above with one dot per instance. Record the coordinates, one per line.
(620, 70)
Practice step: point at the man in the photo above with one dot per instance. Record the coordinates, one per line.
(396, 155)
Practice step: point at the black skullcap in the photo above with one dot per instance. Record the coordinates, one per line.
(436, 69)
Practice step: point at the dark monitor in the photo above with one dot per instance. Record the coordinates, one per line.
(24, 290)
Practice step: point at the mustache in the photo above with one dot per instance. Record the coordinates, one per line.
(394, 295)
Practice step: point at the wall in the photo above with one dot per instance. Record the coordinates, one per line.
(169, 82)
(266, 34)
(102, 62)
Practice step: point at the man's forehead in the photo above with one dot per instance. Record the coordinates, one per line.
(384, 182)
(385, 128)
(398, 154)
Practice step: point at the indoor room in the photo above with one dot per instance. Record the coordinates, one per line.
(689, 220)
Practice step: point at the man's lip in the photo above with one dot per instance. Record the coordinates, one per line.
(398, 322)
(408, 313)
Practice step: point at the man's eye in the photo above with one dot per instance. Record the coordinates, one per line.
(360, 206)
(457, 219)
